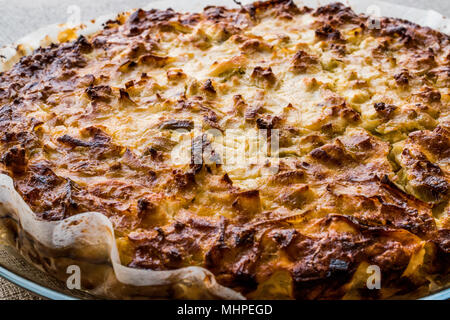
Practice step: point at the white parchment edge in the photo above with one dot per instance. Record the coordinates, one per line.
(92, 229)
(46, 35)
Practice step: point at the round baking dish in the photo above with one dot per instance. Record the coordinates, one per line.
(45, 286)
(19, 271)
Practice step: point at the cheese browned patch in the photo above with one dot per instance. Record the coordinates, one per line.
(363, 122)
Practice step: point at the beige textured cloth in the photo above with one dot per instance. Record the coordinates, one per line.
(9, 291)
(42, 12)
(12, 261)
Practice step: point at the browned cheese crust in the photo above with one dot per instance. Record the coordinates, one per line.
(363, 117)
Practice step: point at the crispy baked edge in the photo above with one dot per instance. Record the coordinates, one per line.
(100, 267)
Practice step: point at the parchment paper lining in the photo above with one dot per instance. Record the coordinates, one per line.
(88, 239)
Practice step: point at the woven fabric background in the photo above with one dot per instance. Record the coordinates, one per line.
(20, 17)
(8, 290)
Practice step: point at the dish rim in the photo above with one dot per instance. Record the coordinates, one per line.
(34, 287)
(52, 294)
(43, 291)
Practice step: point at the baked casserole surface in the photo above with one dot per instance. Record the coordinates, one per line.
(362, 113)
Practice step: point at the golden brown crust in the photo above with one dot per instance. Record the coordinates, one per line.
(364, 171)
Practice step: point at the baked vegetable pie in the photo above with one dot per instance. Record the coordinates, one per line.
(361, 117)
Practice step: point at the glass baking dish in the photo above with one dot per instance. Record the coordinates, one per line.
(17, 270)
(13, 267)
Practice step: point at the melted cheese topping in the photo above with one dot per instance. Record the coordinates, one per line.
(360, 118)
